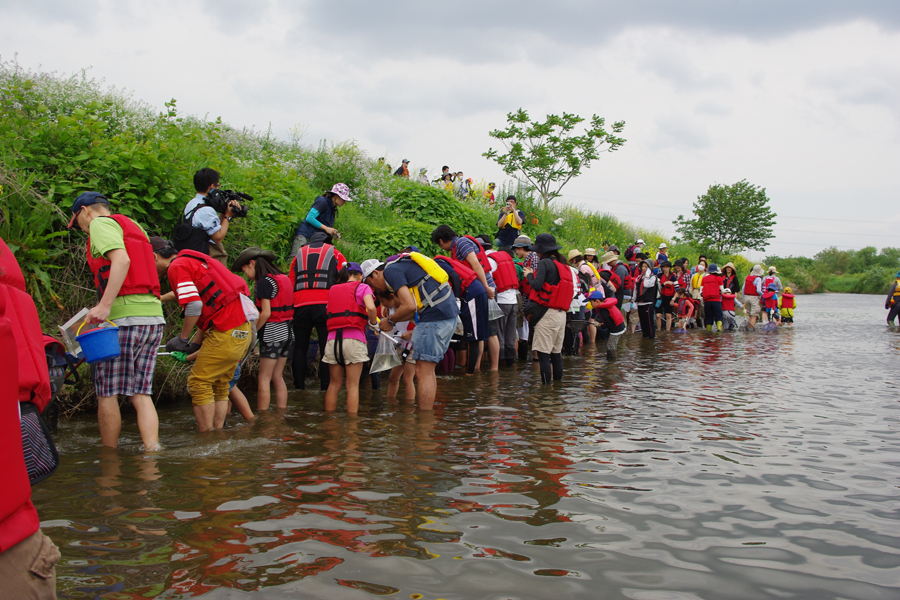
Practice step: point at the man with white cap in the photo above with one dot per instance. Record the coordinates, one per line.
(418, 292)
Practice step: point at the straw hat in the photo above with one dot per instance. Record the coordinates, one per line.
(608, 258)
(574, 253)
(590, 252)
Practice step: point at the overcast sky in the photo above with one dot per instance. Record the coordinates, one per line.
(802, 98)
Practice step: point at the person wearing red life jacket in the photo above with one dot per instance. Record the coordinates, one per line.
(729, 301)
(313, 271)
(711, 290)
(550, 297)
(685, 309)
(667, 284)
(210, 297)
(770, 303)
(351, 308)
(752, 292)
(610, 318)
(28, 558)
(124, 271)
(506, 277)
(274, 298)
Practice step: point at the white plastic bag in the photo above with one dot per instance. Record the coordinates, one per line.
(387, 356)
(494, 310)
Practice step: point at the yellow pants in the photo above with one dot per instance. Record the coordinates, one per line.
(218, 358)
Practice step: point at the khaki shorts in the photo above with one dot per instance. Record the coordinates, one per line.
(752, 306)
(549, 332)
(355, 351)
(633, 316)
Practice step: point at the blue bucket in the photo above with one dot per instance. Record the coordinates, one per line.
(99, 345)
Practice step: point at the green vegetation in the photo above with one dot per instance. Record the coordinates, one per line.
(730, 218)
(865, 271)
(548, 155)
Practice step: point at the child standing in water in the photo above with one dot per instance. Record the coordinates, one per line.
(684, 310)
(351, 306)
(770, 302)
(786, 306)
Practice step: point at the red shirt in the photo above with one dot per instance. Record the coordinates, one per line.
(710, 287)
(183, 275)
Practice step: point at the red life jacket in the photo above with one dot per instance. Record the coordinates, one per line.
(558, 296)
(465, 272)
(33, 376)
(683, 280)
(18, 518)
(749, 287)
(142, 277)
(315, 268)
(667, 290)
(615, 314)
(769, 300)
(482, 257)
(768, 280)
(728, 301)
(282, 305)
(787, 301)
(710, 288)
(343, 309)
(505, 276)
(217, 286)
(685, 308)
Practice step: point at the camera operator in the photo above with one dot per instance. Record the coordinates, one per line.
(203, 217)
(509, 225)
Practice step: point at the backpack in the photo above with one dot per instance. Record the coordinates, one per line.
(187, 237)
(629, 252)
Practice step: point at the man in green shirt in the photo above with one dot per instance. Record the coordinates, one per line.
(121, 259)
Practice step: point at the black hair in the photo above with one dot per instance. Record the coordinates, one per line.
(641, 256)
(264, 268)
(442, 233)
(343, 276)
(329, 194)
(513, 198)
(701, 257)
(167, 251)
(204, 178)
(445, 167)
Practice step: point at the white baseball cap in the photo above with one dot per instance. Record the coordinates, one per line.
(368, 266)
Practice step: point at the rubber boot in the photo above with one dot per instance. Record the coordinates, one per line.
(719, 326)
(546, 373)
(523, 350)
(709, 327)
(556, 359)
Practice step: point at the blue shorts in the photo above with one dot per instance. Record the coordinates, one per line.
(431, 340)
(236, 378)
(474, 314)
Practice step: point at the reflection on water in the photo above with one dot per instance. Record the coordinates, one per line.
(700, 466)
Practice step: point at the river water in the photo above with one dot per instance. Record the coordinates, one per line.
(736, 465)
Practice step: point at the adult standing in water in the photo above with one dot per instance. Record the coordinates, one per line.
(423, 293)
(645, 290)
(892, 303)
(121, 259)
(752, 294)
(552, 287)
(321, 217)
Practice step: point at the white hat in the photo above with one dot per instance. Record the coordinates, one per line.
(640, 241)
(661, 246)
(370, 265)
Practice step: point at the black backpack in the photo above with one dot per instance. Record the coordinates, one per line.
(188, 237)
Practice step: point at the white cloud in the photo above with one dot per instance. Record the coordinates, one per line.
(805, 105)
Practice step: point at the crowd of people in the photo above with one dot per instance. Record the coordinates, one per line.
(487, 300)
(454, 182)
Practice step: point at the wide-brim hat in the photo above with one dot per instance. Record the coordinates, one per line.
(523, 241)
(574, 253)
(665, 263)
(545, 242)
(342, 191)
(663, 247)
(757, 271)
(640, 242)
(773, 270)
(608, 258)
(712, 269)
(729, 264)
(251, 253)
(590, 252)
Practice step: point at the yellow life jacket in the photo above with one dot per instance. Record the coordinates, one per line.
(432, 271)
(897, 289)
(511, 221)
(697, 279)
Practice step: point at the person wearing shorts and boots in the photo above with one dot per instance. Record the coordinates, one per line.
(121, 259)
(210, 296)
(552, 287)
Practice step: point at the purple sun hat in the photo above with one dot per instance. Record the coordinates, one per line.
(342, 191)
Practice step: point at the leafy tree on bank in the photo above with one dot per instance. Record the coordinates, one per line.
(730, 219)
(548, 155)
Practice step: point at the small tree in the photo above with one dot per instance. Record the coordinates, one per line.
(547, 155)
(730, 218)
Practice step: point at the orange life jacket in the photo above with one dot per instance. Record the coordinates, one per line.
(142, 277)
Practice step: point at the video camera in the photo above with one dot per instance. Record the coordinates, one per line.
(219, 200)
